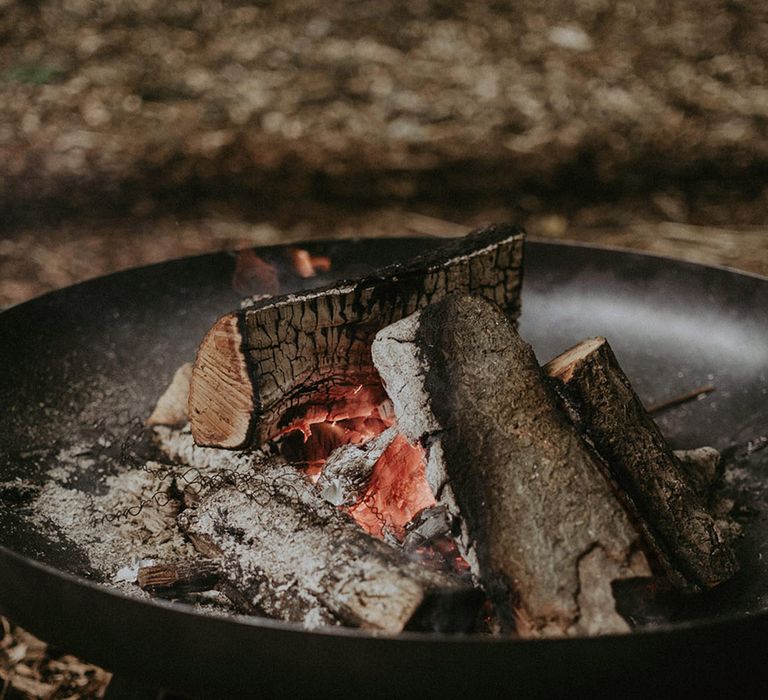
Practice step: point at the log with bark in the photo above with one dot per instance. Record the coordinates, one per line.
(286, 553)
(540, 525)
(695, 547)
(261, 371)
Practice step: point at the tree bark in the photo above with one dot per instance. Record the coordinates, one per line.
(261, 369)
(540, 526)
(694, 544)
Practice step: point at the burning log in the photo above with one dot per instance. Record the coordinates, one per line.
(694, 545)
(289, 361)
(540, 526)
(288, 554)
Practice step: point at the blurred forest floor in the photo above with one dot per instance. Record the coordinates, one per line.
(133, 131)
(139, 130)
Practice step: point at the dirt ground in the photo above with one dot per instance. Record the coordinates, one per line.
(133, 131)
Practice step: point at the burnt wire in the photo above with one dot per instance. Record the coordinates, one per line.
(137, 450)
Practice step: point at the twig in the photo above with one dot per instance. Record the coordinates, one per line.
(683, 398)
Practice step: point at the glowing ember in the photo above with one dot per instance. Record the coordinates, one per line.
(306, 265)
(397, 491)
(442, 554)
(398, 488)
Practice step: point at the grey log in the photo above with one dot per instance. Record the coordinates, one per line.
(288, 554)
(540, 526)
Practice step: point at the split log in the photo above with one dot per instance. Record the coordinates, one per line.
(288, 554)
(540, 526)
(260, 370)
(609, 412)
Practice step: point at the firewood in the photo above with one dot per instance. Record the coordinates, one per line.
(260, 370)
(540, 526)
(288, 554)
(427, 525)
(609, 412)
(177, 579)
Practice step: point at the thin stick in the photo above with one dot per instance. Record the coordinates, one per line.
(683, 398)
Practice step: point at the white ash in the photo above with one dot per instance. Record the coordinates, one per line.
(130, 573)
(111, 545)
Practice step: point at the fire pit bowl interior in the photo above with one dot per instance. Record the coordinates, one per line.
(92, 358)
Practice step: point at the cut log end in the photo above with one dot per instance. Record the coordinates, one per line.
(221, 393)
(564, 365)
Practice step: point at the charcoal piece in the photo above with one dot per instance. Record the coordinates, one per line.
(260, 370)
(696, 548)
(348, 470)
(427, 525)
(539, 523)
(178, 579)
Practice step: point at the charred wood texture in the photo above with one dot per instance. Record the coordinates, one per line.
(260, 369)
(288, 554)
(178, 579)
(540, 525)
(694, 543)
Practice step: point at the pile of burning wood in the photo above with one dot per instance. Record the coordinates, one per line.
(412, 466)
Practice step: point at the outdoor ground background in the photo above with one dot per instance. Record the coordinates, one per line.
(135, 131)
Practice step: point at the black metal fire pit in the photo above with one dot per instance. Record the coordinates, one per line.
(89, 357)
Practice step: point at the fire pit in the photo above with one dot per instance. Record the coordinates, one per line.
(84, 362)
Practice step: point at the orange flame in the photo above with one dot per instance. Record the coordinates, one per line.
(397, 491)
(398, 487)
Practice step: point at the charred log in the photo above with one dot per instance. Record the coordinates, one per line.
(268, 369)
(288, 554)
(539, 523)
(613, 417)
(427, 525)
